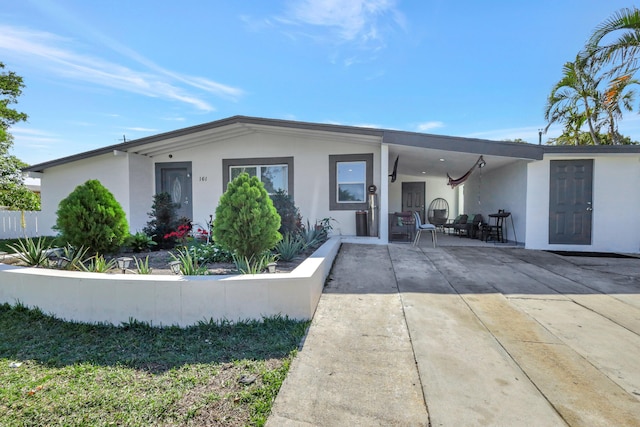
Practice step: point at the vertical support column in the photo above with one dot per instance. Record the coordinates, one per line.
(384, 193)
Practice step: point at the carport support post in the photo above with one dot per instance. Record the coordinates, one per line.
(384, 194)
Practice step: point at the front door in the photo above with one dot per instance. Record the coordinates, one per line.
(570, 202)
(175, 179)
(413, 198)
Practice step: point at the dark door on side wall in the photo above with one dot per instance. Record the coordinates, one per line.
(570, 202)
(175, 179)
(413, 198)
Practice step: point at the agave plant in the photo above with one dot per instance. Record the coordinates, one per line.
(75, 257)
(31, 252)
(189, 264)
(254, 264)
(142, 265)
(289, 247)
(98, 264)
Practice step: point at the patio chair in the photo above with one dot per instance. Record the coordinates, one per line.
(456, 223)
(472, 227)
(420, 227)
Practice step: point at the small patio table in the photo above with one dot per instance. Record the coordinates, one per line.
(497, 229)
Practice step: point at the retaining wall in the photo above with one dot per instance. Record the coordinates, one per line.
(170, 300)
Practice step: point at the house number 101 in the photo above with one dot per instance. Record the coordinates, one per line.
(203, 179)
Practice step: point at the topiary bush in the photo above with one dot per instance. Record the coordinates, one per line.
(246, 222)
(91, 217)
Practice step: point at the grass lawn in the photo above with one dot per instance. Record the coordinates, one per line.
(60, 373)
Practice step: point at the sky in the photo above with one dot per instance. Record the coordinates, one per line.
(101, 71)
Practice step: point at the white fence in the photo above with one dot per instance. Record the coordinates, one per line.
(11, 226)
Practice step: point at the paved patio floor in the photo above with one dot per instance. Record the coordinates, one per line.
(473, 336)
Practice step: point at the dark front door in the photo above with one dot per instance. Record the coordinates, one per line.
(413, 198)
(570, 202)
(175, 179)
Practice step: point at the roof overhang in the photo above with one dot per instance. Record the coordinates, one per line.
(439, 155)
(220, 130)
(433, 155)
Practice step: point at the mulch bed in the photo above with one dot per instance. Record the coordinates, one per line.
(159, 263)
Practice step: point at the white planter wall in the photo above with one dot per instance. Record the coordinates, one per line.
(170, 300)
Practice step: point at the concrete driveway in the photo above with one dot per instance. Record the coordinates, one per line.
(471, 336)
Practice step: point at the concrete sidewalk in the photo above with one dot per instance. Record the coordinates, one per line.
(478, 336)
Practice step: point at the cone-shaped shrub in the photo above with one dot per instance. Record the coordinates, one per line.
(91, 217)
(246, 222)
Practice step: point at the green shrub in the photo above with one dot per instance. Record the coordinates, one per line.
(139, 242)
(290, 218)
(210, 252)
(164, 220)
(91, 217)
(246, 222)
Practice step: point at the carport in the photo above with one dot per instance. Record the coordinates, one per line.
(425, 161)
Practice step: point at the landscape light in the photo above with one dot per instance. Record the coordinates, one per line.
(123, 263)
(175, 267)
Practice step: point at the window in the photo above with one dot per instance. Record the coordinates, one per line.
(276, 173)
(351, 181)
(273, 177)
(349, 176)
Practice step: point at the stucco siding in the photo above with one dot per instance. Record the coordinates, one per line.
(505, 188)
(616, 203)
(310, 168)
(141, 191)
(58, 182)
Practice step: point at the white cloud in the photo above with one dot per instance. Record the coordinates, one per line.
(33, 138)
(426, 126)
(51, 53)
(363, 24)
(351, 20)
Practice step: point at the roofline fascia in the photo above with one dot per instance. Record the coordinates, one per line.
(125, 146)
(464, 145)
(592, 149)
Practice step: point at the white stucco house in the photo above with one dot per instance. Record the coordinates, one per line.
(560, 198)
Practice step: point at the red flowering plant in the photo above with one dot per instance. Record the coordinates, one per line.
(181, 235)
(201, 234)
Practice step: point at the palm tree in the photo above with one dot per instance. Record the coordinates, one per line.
(621, 36)
(616, 98)
(625, 48)
(575, 99)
